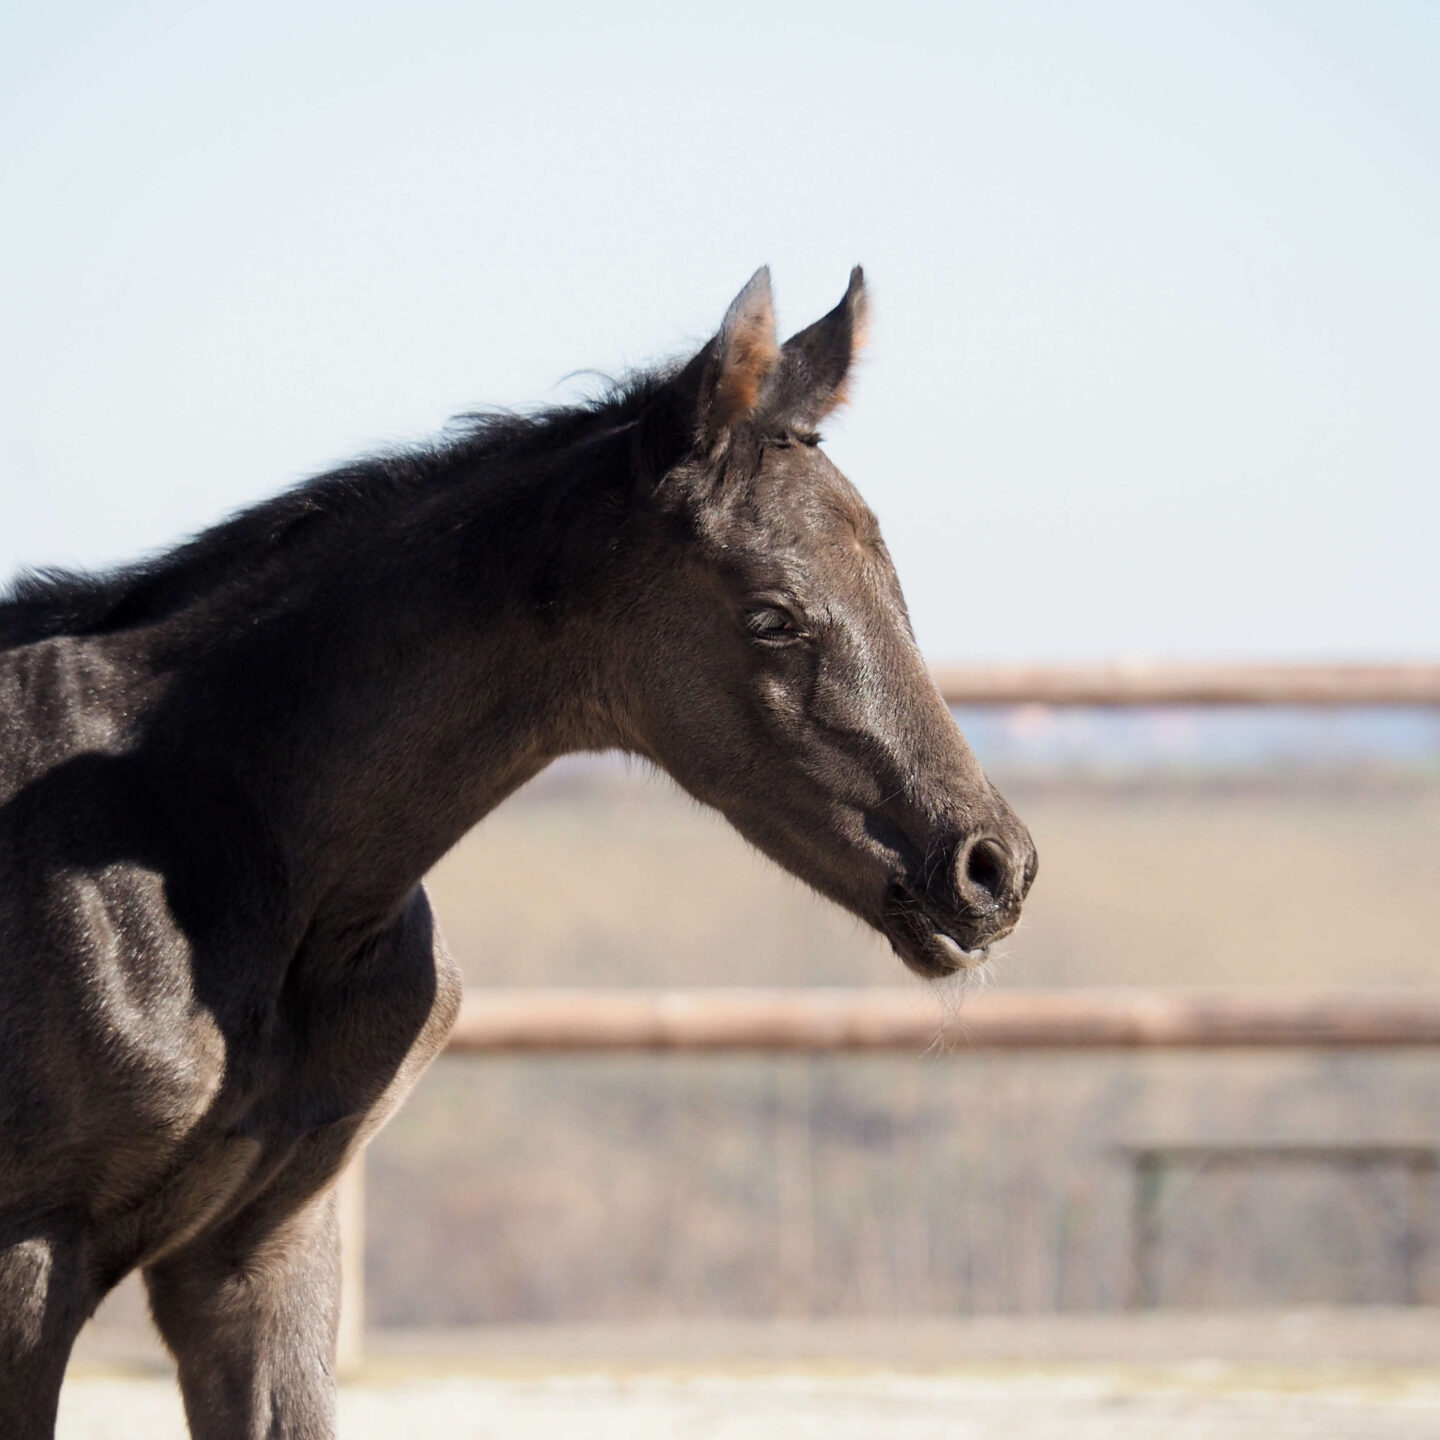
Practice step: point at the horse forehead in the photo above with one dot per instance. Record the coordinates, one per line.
(813, 508)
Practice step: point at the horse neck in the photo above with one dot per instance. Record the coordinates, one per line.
(398, 693)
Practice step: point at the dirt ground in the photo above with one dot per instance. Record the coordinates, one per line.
(1111, 1405)
(1307, 1375)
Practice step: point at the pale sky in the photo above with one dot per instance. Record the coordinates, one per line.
(1156, 285)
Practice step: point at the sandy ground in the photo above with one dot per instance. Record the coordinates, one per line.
(1115, 1405)
(1334, 1375)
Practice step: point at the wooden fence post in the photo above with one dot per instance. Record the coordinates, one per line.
(1149, 1185)
(350, 1191)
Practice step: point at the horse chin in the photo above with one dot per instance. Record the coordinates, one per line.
(936, 956)
(926, 948)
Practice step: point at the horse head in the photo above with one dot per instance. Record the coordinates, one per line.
(774, 672)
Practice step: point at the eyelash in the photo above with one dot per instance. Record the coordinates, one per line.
(758, 626)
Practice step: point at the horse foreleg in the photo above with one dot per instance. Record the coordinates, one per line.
(250, 1315)
(44, 1300)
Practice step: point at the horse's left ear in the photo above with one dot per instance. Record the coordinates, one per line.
(815, 365)
(742, 357)
(720, 387)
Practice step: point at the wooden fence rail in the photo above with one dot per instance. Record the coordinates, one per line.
(914, 1021)
(1147, 684)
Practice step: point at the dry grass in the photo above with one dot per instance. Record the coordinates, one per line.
(631, 1188)
(620, 881)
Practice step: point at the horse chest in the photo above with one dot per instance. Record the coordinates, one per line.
(294, 1102)
(331, 1061)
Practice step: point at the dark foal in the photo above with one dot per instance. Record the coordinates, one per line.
(224, 772)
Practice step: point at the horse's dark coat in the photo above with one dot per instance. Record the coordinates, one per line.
(224, 772)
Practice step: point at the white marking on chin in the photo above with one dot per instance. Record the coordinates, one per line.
(961, 959)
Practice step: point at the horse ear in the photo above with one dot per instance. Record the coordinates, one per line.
(733, 367)
(810, 379)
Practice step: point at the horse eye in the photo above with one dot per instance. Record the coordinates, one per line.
(767, 623)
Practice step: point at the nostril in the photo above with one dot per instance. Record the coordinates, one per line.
(987, 868)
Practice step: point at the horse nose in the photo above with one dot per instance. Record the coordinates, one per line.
(994, 874)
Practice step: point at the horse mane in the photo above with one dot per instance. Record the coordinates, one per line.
(483, 447)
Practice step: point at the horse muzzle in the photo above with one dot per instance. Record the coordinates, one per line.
(945, 918)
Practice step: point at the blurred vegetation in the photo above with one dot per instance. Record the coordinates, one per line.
(636, 1188)
(550, 1189)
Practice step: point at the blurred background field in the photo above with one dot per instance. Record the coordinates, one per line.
(1189, 849)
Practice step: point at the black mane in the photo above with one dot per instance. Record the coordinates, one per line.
(478, 447)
